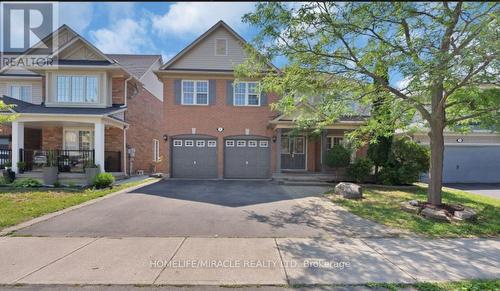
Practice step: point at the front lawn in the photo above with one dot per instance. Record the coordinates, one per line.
(466, 285)
(18, 204)
(381, 204)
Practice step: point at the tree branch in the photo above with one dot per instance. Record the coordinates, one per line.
(477, 114)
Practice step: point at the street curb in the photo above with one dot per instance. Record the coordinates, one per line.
(25, 224)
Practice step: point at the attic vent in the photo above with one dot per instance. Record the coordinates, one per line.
(221, 47)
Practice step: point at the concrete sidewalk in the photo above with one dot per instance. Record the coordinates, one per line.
(243, 261)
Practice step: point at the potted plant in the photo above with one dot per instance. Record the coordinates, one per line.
(21, 167)
(50, 169)
(91, 171)
(8, 174)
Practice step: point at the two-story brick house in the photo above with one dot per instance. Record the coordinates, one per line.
(220, 128)
(89, 107)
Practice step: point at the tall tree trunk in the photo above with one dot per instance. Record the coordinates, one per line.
(437, 157)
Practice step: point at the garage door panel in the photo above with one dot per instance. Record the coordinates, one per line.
(471, 164)
(194, 161)
(247, 162)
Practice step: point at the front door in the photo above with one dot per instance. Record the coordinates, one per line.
(293, 152)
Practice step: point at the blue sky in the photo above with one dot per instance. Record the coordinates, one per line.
(150, 27)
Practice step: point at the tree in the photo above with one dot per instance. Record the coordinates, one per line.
(441, 58)
(6, 118)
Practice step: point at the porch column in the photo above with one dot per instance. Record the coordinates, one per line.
(99, 144)
(17, 143)
(324, 144)
(278, 150)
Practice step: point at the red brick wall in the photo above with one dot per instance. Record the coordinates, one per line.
(113, 139)
(52, 138)
(145, 116)
(117, 91)
(181, 119)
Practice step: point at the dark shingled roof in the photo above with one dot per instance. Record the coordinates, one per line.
(25, 107)
(135, 64)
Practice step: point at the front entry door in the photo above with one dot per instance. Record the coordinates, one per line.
(293, 152)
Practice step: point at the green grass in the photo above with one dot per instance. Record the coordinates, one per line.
(381, 204)
(467, 285)
(18, 204)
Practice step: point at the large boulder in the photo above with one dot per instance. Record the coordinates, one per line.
(349, 190)
(410, 206)
(466, 214)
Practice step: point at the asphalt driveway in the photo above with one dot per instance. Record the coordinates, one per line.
(491, 190)
(210, 209)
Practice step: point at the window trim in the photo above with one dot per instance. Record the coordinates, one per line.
(243, 143)
(215, 47)
(211, 143)
(189, 141)
(263, 143)
(195, 100)
(78, 130)
(22, 85)
(177, 140)
(156, 150)
(303, 145)
(246, 94)
(230, 143)
(200, 143)
(254, 142)
(70, 91)
(332, 137)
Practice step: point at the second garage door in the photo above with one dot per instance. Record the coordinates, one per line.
(471, 164)
(194, 158)
(247, 158)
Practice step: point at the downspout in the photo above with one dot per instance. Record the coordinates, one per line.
(125, 153)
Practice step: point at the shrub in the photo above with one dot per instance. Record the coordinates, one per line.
(26, 183)
(338, 156)
(103, 180)
(57, 184)
(360, 169)
(406, 161)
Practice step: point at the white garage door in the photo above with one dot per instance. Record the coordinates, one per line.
(471, 164)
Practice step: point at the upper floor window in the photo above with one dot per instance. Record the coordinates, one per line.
(194, 92)
(221, 47)
(246, 94)
(21, 92)
(77, 89)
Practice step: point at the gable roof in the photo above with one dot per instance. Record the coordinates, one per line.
(219, 24)
(137, 65)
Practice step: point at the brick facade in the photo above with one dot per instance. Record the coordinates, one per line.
(181, 119)
(117, 91)
(145, 117)
(52, 137)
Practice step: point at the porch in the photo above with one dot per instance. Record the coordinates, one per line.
(71, 144)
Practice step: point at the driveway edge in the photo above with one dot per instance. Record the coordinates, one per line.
(47, 216)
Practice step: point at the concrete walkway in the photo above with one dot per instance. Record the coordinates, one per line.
(243, 261)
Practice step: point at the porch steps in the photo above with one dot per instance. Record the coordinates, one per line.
(303, 179)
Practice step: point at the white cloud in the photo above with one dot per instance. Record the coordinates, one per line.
(125, 36)
(403, 83)
(119, 10)
(192, 18)
(76, 15)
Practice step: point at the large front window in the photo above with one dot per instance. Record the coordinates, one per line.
(194, 92)
(77, 89)
(246, 94)
(78, 140)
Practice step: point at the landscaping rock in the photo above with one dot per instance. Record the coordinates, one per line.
(437, 214)
(466, 214)
(407, 206)
(413, 202)
(349, 190)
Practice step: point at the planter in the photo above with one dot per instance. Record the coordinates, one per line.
(49, 175)
(90, 174)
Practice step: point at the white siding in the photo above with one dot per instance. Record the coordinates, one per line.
(202, 56)
(36, 88)
(151, 82)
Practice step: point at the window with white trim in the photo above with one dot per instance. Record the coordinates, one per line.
(221, 47)
(177, 142)
(230, 143)
(252, 143)
(334, 140)
(194, 92)
(246, 94)
(188, 143)
(212, 143)
(241, 143)
(156, 150)
(77, 89)
(263, 143)
(21, 92)
(200, 143)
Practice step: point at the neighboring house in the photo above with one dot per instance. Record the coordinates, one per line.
(219, 128)
(468, 158)
(90, 108)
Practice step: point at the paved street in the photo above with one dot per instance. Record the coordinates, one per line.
(243, 261)
(177, 208)
(491, 190)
